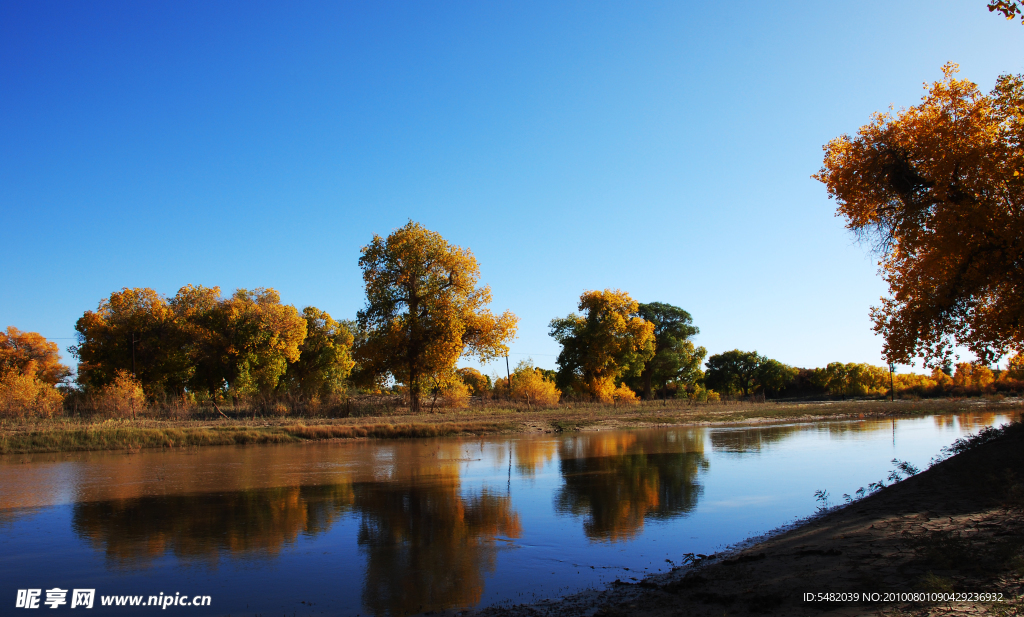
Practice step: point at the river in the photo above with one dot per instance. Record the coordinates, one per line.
(405, 526)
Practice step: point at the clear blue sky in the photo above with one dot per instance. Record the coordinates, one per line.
(664, 148)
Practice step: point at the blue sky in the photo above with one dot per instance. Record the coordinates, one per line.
(661, 148)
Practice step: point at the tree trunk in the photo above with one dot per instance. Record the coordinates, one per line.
(414, 387)
(647, 376)
(414, 382)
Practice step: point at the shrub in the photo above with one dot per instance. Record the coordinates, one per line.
(121, 398)
(531, 385)
(23, 394)
(624, 396)
(454, 395)
(703, 395)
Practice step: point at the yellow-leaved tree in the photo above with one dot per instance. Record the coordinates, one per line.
(424, 311)
(531, 385)
(607, 342)
(938, 189)
(263, 336)
(30, 368)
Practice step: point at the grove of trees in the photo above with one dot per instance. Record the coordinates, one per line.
(425, 310)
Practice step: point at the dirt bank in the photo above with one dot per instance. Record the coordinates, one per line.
(957, 527)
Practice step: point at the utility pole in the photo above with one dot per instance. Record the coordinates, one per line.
(133, 373)
(508, 372)
(892, 388)
(133, 354)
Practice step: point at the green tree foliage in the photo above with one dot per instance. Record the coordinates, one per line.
(201, 327)
(325, 358)
(261, 337)
(733, 370)
(675, 359)
(424, 310)
(608, 342)
(746, 372)
(851, 379)
(774, 376)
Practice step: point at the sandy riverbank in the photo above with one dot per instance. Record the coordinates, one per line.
(76, 434)
(957, 527)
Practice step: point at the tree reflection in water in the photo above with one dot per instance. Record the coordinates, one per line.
(255, 522)
(428, 545)
(618, 480)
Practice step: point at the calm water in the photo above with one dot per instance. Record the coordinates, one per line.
(399, 527)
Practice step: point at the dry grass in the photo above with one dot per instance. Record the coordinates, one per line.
(128, 435)
(60, 434)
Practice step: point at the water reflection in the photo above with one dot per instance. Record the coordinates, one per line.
(617, 480)
(254, 523)
(420, 525)
(972, 421)
(751, 439)
(428, 546)
(532, 454)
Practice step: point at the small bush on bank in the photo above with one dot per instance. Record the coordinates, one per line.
(23, 395)
(530, 385)
(121, 398)
(623, 395)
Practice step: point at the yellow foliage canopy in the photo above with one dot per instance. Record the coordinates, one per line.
(29, 353)
(608, 341)
(938, 188)
(530, 385)
(23, 394)
(424, 310)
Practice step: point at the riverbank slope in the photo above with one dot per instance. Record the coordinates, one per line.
(957, 527)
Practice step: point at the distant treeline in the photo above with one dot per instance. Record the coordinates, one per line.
(140, 351)
(744, 373)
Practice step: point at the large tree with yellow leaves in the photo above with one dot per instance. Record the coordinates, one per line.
(607, 342)
(939, 191)
(424, 310)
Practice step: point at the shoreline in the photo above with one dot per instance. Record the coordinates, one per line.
(954, 528)
(81, 435)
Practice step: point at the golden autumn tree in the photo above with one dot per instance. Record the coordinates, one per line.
(478, 383)
(134, 330)
(424, 310)
(938, 189)
(30, 353)
(195, 341)
(325, 356)
(30, 368)
(607, 342)
(263, 336)
(530, 385)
